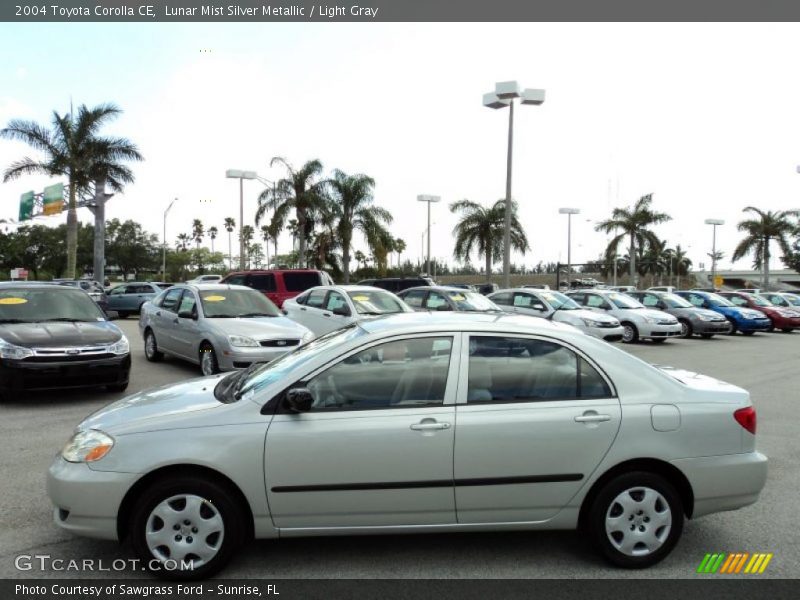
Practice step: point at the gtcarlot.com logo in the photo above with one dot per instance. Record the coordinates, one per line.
(735, 563)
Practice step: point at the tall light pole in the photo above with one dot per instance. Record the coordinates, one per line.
(429, 199)
(504, 94)
(241, 176)
(714, 223)
(569, 212)
(164, 239)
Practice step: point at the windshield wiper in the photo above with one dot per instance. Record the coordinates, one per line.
(256, 314)
(63, 320)
(221, 317)
(15, 321)
(237, 395)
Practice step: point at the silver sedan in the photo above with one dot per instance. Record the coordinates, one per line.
(354, 433)
(219, 327)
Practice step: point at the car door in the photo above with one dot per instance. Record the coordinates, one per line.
(534, 420)
(529, 304)
(376, 448)
(116, 298)
(309, 314)
(164, 320)
(135, 295)
(336, 313)
(185, 331)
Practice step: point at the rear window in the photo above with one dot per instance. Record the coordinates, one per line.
(300, 281)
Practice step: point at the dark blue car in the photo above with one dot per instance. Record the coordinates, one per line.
(746, 320)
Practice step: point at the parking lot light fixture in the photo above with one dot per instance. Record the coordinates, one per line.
(714, 223)
(241, 176)
(505, 92)
(164, 244)
(429, 199)
(569, 212)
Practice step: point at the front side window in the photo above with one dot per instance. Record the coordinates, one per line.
(337, 304)
(397, 374)
(188, 303)
(437, 302)
(506, 369)
(527, 301)
(738, 301)
(650, 300)
(594, 301)
(316, 299)
(415, 298)
(503, 299)
(171, 299)
(236, 280)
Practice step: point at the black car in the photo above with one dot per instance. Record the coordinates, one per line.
(488, 288)
(56, 337)
(397, 284)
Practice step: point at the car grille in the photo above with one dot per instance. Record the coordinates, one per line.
(278, 343)
(69, 354)
(667, 322)
(608, 324)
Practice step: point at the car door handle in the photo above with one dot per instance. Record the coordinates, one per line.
(303, 308)
(429, 426)
(592, 418)
(158, 313)
(326, 314)
(175, 321)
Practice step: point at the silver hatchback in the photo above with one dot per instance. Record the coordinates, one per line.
(220, 327)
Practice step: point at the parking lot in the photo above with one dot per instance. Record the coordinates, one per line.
(35, 428)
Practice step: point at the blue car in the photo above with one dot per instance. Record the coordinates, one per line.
(128, 298)
(746, 320)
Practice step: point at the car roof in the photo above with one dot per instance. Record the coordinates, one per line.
(426, 321)
(205, 287)
(440, 288)
(37, 285)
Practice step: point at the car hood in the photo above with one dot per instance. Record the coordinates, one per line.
(687, 311)
(56, 334)
(586, 314)
(645, 313)
(164, 407)
(260, 328)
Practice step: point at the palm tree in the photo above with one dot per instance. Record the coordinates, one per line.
(212, 233)
(361, 258)
(197, 232)
(302, 190)
(74, 149)
(766, 227)
(634, 224)
(183, 240)
(481, 229)
(246, 233)
(266, 235)
(352, 209)
(679, 264)
(230, 224)
(255, 252)
(400, 247)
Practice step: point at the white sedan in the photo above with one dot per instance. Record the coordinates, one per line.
(327, 307)
(421, 423)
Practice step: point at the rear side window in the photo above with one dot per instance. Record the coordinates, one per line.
(300, 281)
(236, 280)
(263, 282)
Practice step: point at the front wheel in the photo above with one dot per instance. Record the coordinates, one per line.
(208, 360)
(186, 528)
(787, 330)
(706, 336)
(732, 330)
(659, 340)
(151, 351)
(117, 388)
(636, 520)
(748, 332)
(686, 329)
(629, 333)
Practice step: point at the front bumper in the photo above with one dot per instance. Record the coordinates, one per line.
(609, 334)
(31, 375)
(754, 324)
(724, 482)
(655, 330)
(701, 327)
(242, 357)
(86, 502)
(781, 322)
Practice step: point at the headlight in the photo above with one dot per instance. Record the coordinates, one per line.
(240, 340)
(705, 317)
(120, 347)
(591, 322)
(651, 320)
(751, 314)
(87, 446)
(307, 337)
(13, 351)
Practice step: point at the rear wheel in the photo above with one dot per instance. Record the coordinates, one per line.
(151, 351)
(659, 340)
(188, 526)
(706, 336)
(122, 314)
(208, 360)
(787, 330)
(686, 328)
(629, 333)
(636, 520)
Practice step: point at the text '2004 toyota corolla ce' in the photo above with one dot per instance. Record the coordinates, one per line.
(355, 433)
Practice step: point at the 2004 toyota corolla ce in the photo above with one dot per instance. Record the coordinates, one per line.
(417, 422)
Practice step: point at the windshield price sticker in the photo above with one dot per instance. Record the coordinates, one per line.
(13, 301)
(214, 298)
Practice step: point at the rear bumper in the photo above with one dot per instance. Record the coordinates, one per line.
(727, 482)
(24, 376)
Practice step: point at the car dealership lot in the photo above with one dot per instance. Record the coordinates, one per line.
(765, 364)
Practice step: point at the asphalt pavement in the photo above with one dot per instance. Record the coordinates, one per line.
(33, 429)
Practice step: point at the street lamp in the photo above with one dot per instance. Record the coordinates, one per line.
(569, 212)
(714, 223)
(504, 94)
(164, 249)
(241, 176)
(429, 199)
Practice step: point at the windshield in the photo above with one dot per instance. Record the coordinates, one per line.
(792, 299)
(38, 305)
(674, 301)
(229, 303)
(263, 374)
(715, 300)
(559, 301)
(623, 301)
(375, 302)
(759, 301)
(472, 301)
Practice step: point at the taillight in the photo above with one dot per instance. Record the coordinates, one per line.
(746, 417)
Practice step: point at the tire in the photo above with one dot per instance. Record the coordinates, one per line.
(122, 314)
(787, 330)
(686, 329)
(151, 351)
(117, 388)
(214, 531)
(706, 336)
(208, 360)
(748, 332)
(658, 340)
(630, 334)
(733, 328)
(644, 501)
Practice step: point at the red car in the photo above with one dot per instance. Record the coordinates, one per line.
(785, 319)
(279, 284)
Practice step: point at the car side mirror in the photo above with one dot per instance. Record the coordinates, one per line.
(112, 315)
(187, 314)
(341, 311)
(299, 400)
(539, 307)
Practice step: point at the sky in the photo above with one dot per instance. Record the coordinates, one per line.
(703, 116)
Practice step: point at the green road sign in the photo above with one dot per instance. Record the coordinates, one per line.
(26, 206)
(53, 199)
